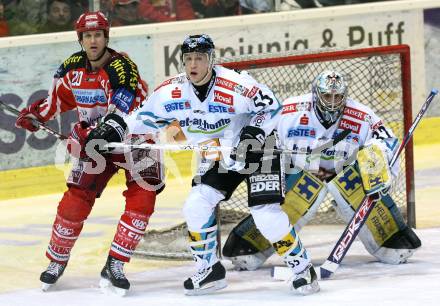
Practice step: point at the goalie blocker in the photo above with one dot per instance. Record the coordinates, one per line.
(386, 236)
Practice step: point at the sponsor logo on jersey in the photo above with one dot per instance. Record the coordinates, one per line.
(264, 183)
(89, 97)
(354, 113)
(259, 119)
(302, 132)
(198, 125)
(123, 99)
(296, 107)
(175, 80)
(223, 98)
(176, 93)
(304, 120)
(332, 153)
(326, 154)
(253, 92)
(71, 60)
(179, 105)
(230, 85)
(121, 72)
(350, 125)
(213, 108)
(353, 137)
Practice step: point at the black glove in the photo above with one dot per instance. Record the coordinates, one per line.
(251, 137)
(112, 129)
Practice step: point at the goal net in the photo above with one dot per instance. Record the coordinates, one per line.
(378, 77)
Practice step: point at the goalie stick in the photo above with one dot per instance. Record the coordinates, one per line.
(47, 129)
(361, 214)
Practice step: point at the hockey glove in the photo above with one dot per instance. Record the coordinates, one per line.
(28, 115)
(112, 129)
(77, 139)
(251, 137)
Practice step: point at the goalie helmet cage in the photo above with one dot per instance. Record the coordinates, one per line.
(379, 77)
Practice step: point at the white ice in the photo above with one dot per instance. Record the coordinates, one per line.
(360, 280)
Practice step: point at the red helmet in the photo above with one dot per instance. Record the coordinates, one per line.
(92, 21)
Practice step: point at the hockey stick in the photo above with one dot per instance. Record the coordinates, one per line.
(363, 211)
(47, 129)
(351, 231)
(208, 148)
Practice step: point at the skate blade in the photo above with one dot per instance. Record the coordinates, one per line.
(108, 289)
(209, 288)
(308, 289)
(45, 287)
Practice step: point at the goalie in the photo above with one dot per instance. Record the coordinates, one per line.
(348, 177)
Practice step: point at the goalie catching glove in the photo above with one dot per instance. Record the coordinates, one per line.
(112, 129)
(251, 137)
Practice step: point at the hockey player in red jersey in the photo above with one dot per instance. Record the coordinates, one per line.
(101, 85)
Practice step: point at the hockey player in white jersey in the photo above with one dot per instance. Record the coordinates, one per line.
(210, 104)
(319, 116)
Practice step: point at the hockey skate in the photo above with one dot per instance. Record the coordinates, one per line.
(51, 275)
(305, 282)
(206, 280)
(113, 279)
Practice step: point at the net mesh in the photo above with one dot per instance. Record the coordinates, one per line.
(374, 80)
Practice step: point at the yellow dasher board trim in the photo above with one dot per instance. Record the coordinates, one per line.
(374, 169)
(347, 190)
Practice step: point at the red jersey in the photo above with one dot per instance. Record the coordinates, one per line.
(76, 86)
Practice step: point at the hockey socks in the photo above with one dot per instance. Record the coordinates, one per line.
(295, 256)
(210, 275)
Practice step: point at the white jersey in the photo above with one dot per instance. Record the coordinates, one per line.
(300, 130)
(233, 101)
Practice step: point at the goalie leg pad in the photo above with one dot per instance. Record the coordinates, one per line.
(384, 222)
(246, 247)
(399, 247)
(305, 195)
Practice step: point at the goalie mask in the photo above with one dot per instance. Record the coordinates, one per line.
(329, 91)
(201, 45)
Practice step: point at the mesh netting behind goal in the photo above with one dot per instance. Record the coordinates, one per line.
(378, 77)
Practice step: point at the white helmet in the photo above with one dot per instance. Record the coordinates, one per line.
(330, 94)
